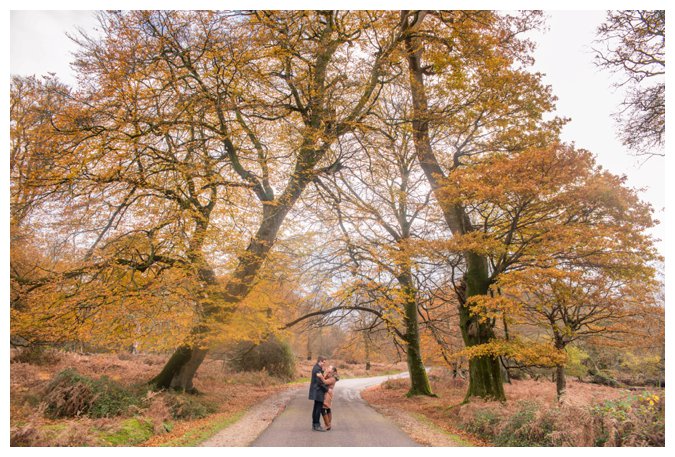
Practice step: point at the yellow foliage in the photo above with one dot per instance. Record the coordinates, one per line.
(522, 351)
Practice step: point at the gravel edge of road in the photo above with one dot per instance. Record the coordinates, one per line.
(243, 432)
(422, 432)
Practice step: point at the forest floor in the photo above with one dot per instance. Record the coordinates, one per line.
(591, 414)
(160, 419)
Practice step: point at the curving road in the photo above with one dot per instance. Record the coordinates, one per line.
(354, 422)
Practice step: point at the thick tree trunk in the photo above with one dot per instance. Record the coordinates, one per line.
(179, 371)
(486, 379)
(485, 376)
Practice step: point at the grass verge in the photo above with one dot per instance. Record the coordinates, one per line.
(461, 442)
(203, 431)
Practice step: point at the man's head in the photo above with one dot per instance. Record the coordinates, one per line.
(321, 361)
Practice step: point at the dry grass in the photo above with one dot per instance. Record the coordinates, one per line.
(225, 393)
(592, 415)
(224, 396)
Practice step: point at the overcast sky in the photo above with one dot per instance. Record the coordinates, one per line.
(38, 45)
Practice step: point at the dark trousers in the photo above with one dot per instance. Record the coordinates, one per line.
(316, 413)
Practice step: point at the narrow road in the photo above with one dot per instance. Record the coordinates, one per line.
(354, 422)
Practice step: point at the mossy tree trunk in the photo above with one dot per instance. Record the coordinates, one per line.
(485, 374)
(485, 380)
(419, 380)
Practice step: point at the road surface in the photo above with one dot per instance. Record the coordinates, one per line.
(354, 422)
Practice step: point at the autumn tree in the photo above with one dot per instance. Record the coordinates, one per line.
(566, 244)
(632, 44)
(472, 97)
(30, 101)
(380, 204)
(578, 305)
(195, 110)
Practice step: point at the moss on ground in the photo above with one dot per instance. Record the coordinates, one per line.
(130, 433)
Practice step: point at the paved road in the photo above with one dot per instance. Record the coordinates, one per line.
(354, 422)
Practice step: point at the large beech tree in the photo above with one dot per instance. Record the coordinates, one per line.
(470, 99)
(198, 109)
(567, 246)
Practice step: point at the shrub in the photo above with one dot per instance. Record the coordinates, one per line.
(257, 378)
(37, 433)
(273, 355)
(36, 355)
(483, 423)
(521, 429)
(188, 406)
(71, 394)
(26, 435)
(631, 421)
(396, 383)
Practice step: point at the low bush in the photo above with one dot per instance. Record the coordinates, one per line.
(26, 435)
(37, 355)
(391, 384)
(273, 355)
(630, 421)
(187, 406)
(71, 394)
(637, 420)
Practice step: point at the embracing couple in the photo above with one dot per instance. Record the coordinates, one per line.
(321, 391)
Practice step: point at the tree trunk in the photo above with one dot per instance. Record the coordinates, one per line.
(419, 380)
(179, 371)
(485, 380)
(485, 374)
(560, 382)
(309, 345)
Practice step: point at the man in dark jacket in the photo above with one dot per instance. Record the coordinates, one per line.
(316, 393)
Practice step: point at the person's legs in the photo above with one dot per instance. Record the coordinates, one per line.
(327, 416)
(316, 415)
